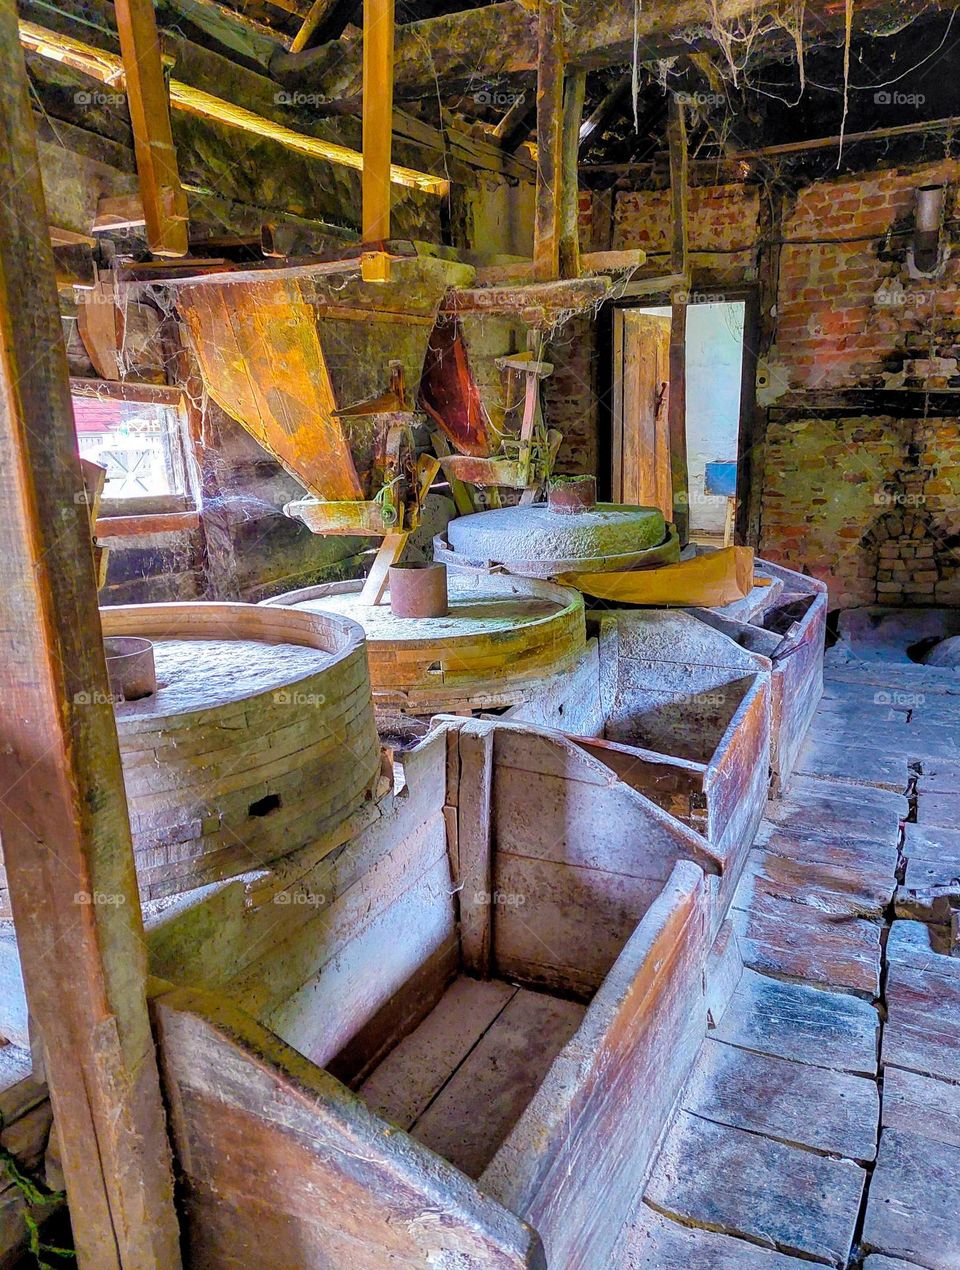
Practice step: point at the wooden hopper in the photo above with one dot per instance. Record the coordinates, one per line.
(315, 365)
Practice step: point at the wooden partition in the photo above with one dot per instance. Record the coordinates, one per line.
(282, 1167)
(577, 1159)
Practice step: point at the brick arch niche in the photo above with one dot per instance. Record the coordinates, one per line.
(909, 558)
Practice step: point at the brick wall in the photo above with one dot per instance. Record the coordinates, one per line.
(848, 317)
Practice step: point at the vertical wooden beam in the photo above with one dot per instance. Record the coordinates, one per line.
(546, 228)
(679, 263)
(164, 202)
(378, 32)
(679, 184)
(574, 91)
(63, 814)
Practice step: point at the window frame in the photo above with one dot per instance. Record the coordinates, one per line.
(149, 507)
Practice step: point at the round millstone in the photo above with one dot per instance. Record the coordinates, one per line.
(500, 639)
(535, 540)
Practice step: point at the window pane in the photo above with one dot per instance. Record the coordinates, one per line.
(135, 441)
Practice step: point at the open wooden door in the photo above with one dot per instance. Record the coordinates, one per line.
(641, 429)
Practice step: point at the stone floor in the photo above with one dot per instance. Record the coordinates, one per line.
(822, 1121)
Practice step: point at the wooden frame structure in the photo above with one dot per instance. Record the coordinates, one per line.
(63, 816)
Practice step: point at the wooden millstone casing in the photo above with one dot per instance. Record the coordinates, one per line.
(264, 741)
(503, 639)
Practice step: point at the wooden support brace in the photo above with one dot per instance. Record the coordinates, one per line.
(546, 228)
(574, 91)
(378, 30)
(677, 404)
(164, 202)
(63, 812)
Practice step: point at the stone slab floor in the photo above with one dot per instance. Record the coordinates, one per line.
(822, 1121)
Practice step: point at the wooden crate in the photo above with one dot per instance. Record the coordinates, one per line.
(504, 1095)
(796, 665)
(681, 713)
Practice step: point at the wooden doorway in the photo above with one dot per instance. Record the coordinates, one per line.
(640, 470)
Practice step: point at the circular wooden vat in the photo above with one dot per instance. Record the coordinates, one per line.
(502, 637)
(259, 738)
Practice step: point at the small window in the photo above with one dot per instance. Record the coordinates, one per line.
(136, 433)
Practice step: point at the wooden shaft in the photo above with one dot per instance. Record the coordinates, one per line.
(573, 96)
(679, 185)
(164, 202)
(546, 229)
(378, 24)
(63, 813)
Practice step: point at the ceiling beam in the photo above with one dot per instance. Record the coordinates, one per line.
(479, 45)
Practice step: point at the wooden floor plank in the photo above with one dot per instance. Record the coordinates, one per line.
(748, 1185)
(930, 842)
(483, 1100)
(922, 1032)
(922, 1105)
(848, 890)
(792, 942)
(914, 1200)
(832, 1112)
(909, 944)
(651, 1241)
(940, 775)
(939, 809)
(404, 1084)
(808, 1025)
(878, 1262)
(849, 812)
(853, 764)
(836, 848)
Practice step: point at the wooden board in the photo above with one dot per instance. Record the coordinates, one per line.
(641, 459)
(745, 1184)
(861, 814)
(794, 941)
(853, 765)
(922, 1032)
(652, 1240)
(807, 1025)
(486, 1095)
(408, 1080)
(913, 1201)
(834, 1113)
(919, 1104)
(854, 889)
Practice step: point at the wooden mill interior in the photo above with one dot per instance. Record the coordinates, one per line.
(480, 575)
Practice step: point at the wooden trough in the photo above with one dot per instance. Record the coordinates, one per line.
(261, 734)
(506, 967)
(501, 640)
(681, 713)
(786, 624)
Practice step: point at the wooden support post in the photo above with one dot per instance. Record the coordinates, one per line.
(679, 185)
(679, 264)
(474, 878)
(164, 202)
(378, 29)
(546, 228)
(574, 91)
(63, 814)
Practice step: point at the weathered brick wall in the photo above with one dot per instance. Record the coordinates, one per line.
(836, 489)
(848, 312)
(847, 316)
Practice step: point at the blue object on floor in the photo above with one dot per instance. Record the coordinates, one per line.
(720, 478)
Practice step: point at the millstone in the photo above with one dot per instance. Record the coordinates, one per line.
(540, 542)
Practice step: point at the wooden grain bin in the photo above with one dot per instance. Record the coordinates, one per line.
(505, 966)
(679, 711)
(788, 627)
